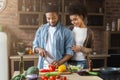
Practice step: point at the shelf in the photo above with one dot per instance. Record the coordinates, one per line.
(28, 27)
(98, 27)
(115, 54)
(25, 57)
(97, 14)
(115, 48)
(51, 2)
(96, 6)
(95, 20)
(114, 32)
(31, 12)
(29, 19)
(99, 56)
(29, 5)
(68, 2)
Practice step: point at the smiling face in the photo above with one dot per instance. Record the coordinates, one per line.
(77, 20)
(52, 18)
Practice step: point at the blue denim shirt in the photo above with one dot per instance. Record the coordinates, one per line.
(62, 41)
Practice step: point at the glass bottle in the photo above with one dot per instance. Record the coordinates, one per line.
(23, 5)
(113, 25)
(21, 65)
(90, 65)
(107, 27)
(34, 5)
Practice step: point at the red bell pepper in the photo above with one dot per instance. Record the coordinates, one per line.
(44, 70)
(51, 68)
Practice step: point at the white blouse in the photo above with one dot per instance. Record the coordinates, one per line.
(80, 35)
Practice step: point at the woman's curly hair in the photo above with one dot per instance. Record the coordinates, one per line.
(77, 9)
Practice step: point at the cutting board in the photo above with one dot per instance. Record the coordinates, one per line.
(60, 73)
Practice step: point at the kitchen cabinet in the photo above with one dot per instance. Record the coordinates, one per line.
(3, 56)
(96, 13)
(29, 60)
(31, 12)
(99, 60)
(113, 41)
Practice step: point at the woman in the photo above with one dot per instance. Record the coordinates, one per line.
(83, 35)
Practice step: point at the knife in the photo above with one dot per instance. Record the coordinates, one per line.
(47, 59)
(48, 55)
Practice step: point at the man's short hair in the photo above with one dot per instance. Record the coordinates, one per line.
(51, 8)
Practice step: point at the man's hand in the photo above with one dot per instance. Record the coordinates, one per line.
(62, 61)
(40, 51)
(56, 63)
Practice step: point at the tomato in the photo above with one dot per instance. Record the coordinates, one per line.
(44, 78)
(57, 77)
(52, 78)
(51, 68)
(64, 78)
(44, 70)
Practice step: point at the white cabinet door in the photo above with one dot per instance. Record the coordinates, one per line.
(3, 57)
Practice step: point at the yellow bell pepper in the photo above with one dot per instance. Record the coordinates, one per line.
(62, 68)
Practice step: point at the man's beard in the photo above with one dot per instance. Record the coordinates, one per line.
(53, 25)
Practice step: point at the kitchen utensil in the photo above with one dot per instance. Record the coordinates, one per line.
(110, 70)
(47, 60)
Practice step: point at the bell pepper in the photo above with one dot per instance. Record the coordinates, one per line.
(44, 70)
(62, 68)
(51, 68)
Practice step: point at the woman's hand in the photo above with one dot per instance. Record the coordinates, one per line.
(76, 48)
(40, 51)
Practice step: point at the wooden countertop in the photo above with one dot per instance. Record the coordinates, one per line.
(25, 56)
(36, 56)
(99, 56)
(73, 76)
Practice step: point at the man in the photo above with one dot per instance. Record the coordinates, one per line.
(53, 41)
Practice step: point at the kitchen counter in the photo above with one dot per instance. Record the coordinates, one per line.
(73, 76)
(25, 56)
(102, 57)
(34, 58)
(99, 56)
(27, 59)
